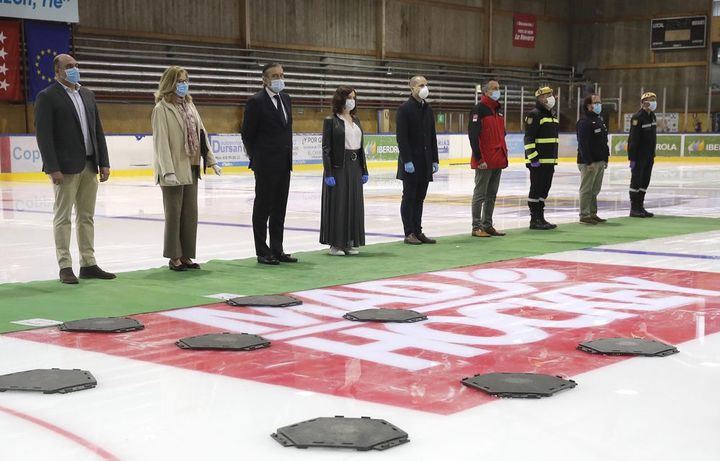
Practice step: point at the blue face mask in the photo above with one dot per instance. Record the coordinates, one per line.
(277, 85)
(495, 95)
(181, 89)
(653, 105)
(597, 108)
(72, 75)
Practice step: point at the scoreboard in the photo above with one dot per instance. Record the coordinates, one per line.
(678, 33)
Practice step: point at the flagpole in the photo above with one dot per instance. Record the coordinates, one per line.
(25, 75)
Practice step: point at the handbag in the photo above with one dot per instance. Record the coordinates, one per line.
(203, 149)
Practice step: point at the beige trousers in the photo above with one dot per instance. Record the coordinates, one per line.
(590, 185)
(79, 191)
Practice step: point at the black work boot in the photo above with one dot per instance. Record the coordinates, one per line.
(542, 217)
(641, 203)
(535, 217)
(635, 210)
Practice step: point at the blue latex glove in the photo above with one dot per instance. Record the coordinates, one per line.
(632, 164)
(409, 167)
(436, 167)
(330, 181)
(535, 163)
(365, 178)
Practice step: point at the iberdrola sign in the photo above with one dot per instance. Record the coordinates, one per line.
(669, 145)
(702, 146)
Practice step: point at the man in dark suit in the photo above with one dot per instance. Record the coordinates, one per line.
(267, 135)
(72, 144)
(418, 159)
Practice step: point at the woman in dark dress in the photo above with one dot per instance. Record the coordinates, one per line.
(342, 221)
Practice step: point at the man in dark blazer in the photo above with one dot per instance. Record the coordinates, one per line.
(267, 135)
(418, 159)
(72, 145)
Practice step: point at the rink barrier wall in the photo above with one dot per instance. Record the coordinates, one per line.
(132, 154)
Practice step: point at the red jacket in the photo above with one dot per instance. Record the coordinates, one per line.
(486, 130)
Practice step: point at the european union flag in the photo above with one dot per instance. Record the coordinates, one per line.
(44, 41)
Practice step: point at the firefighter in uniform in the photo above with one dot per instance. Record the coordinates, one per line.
(641, 153)
(541, 155)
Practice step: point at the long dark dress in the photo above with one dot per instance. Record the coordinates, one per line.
(342, 219)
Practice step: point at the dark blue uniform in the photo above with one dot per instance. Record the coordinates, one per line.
(641, 151)
(541, 146)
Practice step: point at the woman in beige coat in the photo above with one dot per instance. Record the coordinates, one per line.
(180, 143)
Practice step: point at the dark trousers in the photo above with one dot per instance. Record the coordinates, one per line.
(415, 188)
(271, 195)
(640, 179)
(180, 204)
(540, 182)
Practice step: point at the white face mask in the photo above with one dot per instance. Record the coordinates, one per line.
(424, 92)
(495, 95)
(653, 105)
(550, 102)
(349, 104)
(277, 85)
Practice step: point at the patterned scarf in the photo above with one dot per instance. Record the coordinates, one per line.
(192, 143)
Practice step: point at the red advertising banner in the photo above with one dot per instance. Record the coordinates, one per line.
(10, 79)
(524, 30)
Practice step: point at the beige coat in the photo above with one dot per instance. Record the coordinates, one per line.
(169, 134)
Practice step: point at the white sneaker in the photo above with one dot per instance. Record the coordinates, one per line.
(334, 251)
(352, 251)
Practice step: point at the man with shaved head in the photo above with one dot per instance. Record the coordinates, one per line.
(486, 131)
(72, 145)
(417, 159)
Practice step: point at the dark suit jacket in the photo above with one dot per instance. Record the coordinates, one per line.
(58, 132)
(267, 142)
(416, 138)
(333, 145)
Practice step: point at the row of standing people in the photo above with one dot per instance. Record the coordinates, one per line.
(72, 144)
(486, 132)
(267, 136)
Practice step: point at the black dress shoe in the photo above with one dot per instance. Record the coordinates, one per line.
(286, 258)
(94, 272)
(179, 268)
(68, 276)
(190, 265)
(268, 260)
(425, 239)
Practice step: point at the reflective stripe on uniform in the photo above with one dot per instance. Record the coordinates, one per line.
(533, 155)
(647, 125)
(544, 160)
(533, 200)
(547, 140)
(634, 190)
(530, 146)
(548, 120)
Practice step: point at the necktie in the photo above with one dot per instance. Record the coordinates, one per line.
(280, 109)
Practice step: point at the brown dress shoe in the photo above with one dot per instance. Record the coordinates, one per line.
(94, 272)
(412, 240)
(67, 276)
(588, 220)
(480, 233)
(425, 239)
(495, 233)
(598, 218)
